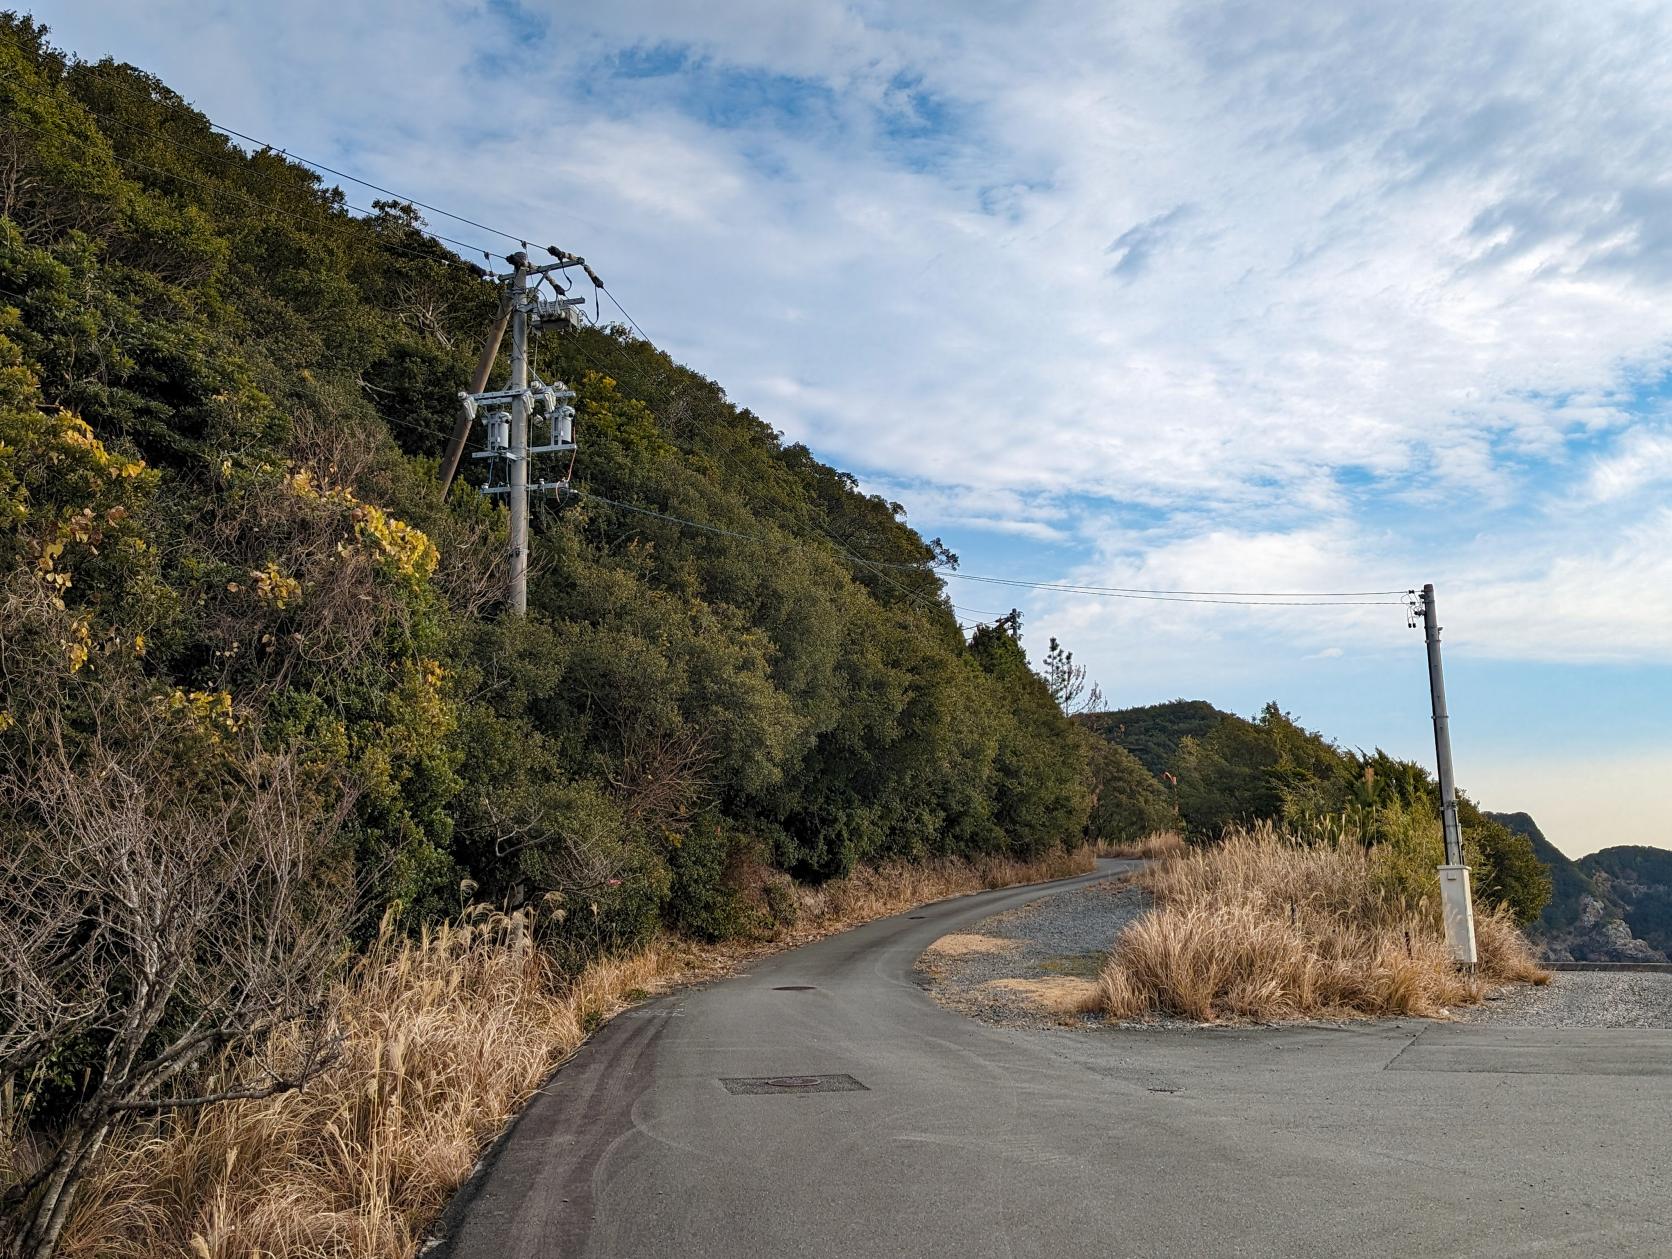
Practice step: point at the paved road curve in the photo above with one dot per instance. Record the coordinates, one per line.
(969, 1140)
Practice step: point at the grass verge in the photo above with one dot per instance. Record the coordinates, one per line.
(1258, 927)
(446, 1037)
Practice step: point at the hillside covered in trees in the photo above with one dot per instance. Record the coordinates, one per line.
(252, 659)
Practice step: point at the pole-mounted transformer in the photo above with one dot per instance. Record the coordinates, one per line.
(509, 415)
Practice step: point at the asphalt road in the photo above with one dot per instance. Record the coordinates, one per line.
(971, 1140)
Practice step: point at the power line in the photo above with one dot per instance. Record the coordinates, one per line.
(1242, 598)
(1252, 598)
(521, 238)
(678, 520)
(625, 315)
(1248, 598)
(366, 183)
(766, 540)
(152, 99)
(1291, 599)
(1076, 588)
(222, 187)
(256, 201)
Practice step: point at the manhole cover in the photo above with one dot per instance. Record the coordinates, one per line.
(793, 988)
(794, 1084)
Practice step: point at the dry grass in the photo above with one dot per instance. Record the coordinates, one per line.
(877, 891)
(1151, 847)
(447, 1036)
(1258, 927)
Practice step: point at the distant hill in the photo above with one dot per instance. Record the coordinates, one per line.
(1571, 884)
(1640, 878)
(1612, 906)
(1153, 733)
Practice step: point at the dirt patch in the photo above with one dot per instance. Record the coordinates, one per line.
(963, 943)
(1056, 994)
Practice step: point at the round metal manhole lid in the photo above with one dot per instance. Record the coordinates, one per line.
(794, 1082)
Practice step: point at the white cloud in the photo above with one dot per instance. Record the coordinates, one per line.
(1642, 459)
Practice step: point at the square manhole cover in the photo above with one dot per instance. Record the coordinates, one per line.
(795, 1084)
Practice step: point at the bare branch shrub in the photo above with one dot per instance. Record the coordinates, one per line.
(166, 904)
(660, 773)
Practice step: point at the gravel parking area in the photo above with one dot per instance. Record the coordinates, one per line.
(1581, 999)
(1031, 967)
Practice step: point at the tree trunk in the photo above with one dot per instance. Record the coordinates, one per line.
(52, 1208)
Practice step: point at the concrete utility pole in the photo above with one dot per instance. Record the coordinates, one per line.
(518, 496)
(508, 414)
(1456, 903)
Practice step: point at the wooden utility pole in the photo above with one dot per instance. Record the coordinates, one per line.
(479, 380)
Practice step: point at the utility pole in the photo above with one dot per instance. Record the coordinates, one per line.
(1456, 903)
(509, 414)
(518, 496)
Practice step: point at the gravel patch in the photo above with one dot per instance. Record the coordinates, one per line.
(1051, 948)
(1580, 999)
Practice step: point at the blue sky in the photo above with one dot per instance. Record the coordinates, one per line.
(1184, 295)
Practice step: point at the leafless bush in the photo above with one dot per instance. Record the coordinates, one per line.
(660, 773)
(163, 910)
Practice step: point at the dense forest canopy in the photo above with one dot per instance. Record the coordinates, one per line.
(1154, 732)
